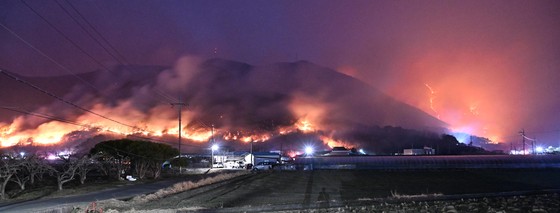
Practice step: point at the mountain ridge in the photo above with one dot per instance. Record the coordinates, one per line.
(231, 96)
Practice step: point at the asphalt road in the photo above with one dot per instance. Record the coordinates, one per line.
(285, 190)
(120, 192)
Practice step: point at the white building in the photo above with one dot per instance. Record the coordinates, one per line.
(425, 151)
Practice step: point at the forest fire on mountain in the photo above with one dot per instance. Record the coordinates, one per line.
(55, 132)
(282, 103)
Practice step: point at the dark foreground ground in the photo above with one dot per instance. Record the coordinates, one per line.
(509, 190)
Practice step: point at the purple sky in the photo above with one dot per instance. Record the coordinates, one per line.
(494, 66)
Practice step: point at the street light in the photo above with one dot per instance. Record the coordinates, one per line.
(309, 150)
(540, 149)
(362, 151)
(214, 148)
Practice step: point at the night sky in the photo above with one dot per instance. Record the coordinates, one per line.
(490, 68)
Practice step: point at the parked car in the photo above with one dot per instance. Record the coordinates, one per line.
(229, 164)
(240, 164)
(263, 166)
(234, 164)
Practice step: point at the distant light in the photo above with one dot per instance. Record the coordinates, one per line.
(362, 151)
(516, 152)
(22, 154)
(215, 147)
(540, 149)
(309, 150)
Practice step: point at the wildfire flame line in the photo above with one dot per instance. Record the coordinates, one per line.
(432, 98)
(54, 131)
(64, 100)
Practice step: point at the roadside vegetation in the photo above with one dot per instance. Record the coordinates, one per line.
(32, 175)
(162, 193)
(518, 190)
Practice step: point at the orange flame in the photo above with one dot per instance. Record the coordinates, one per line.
(332, 142)
(304, 126)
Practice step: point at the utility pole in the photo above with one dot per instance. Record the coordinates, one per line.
(252, 156)
(510, 148)
(179, 109)
(533, 145)
(212, 134)
(522, 133)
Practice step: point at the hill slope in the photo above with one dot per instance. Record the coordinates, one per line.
(237, 99)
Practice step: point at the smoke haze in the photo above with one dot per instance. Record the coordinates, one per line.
(232, 100)
(488, 68)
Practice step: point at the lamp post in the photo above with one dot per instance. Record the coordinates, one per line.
(214, 148)
(309, 152)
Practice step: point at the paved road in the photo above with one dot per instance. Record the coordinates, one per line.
(277, 190)
(120, 192)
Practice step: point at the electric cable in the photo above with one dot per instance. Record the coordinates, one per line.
(94, 29)
(63, 100)
(48, 57)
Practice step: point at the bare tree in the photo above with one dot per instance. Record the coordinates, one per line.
(145, 157)
(8, 168)
(21, 177)
(36, 168)
(29, 168)
(113, 166)
(141, 168)
(64, 170)
(87, 164)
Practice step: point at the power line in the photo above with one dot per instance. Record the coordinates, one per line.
(68, 39)
(63, 100)
(50, 117)
(66, 69)
(43, 116)
(65, 36)
(168, 97)
(75, 44)
(46, 56)
(89, 34)
(97, 32)
(60, 65)
(159, 92)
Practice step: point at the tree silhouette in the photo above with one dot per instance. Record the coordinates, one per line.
(144, 157)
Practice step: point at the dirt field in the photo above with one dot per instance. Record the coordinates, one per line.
(288, 190)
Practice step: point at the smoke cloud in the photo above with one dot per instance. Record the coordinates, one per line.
(229, 100)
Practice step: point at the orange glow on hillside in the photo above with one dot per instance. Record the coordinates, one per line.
(305, 126)
(44, 134)
(332, 142)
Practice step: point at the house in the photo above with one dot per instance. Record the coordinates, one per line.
(257, 157)
(339, 151)
(425, 151)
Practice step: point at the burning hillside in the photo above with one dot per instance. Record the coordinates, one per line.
(229, 102)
